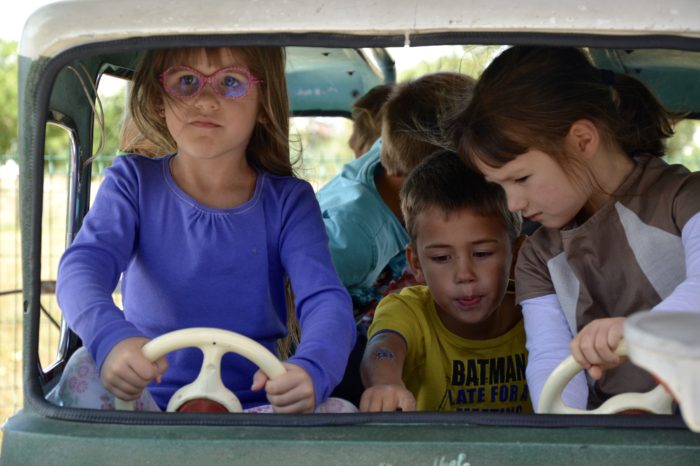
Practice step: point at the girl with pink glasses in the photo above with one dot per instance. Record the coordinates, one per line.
(206, 236)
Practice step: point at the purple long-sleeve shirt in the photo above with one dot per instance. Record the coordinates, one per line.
(187, 265)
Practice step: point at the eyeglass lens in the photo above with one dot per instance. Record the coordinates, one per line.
(230, 83)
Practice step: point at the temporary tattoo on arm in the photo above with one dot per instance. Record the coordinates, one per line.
(383, 353)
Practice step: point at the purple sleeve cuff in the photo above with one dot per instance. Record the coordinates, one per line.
(103, 342)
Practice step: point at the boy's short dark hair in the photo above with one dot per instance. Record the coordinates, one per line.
(445, 182)
(415, 116)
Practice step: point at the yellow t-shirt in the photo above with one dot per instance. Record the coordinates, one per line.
(446, 372)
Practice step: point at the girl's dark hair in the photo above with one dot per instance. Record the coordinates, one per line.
(529, 97)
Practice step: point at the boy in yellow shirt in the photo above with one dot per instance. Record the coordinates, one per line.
(458, 342)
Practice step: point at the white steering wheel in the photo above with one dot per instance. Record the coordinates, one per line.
(214, 343)
(656, 401)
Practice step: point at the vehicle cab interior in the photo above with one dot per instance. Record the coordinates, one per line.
(76, 55)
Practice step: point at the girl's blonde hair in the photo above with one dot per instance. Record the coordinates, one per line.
(268, 148)
(367, 118)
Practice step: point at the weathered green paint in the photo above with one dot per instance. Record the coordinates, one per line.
(33, 440)
(327, 79)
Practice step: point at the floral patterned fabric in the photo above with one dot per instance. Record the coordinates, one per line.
(80, 387)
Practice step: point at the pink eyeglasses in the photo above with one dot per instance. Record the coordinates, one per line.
(232, 82)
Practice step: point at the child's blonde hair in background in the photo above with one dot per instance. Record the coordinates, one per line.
(415, 118)
(367, 118)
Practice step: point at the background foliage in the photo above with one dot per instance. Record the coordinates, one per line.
(8, 97)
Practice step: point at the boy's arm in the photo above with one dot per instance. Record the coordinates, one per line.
(381, 370)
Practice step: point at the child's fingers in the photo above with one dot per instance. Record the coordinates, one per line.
(589, 347)
(365, 401)
(161, 365)
(386, 404)
(595, 372)
(583, 351)
(609, 333)
(303, 405)
(371, 400)
(581, 347)
(124, 390)
(605, 353)
(406, 402)
(293, 378)
(259, 381)
(132, 382)
(144, 369)
(380, 401)
(291, 396)
(299, 399)
(291, 392)
(594, 347)
(387, 399)
(616, 333)
(124, 384)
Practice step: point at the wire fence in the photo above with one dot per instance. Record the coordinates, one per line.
(52, 245)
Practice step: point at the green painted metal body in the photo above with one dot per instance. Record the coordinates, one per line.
(79, 443)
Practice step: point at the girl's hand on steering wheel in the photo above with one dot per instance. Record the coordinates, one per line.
(126, 371)
(594, 346)
(291, 392)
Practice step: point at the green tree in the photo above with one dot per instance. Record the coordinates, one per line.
(113, 106)
(57, 143)
(682, 147)
(468, 59)
(8, 97)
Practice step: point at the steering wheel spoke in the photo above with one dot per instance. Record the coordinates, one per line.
(213, 343)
